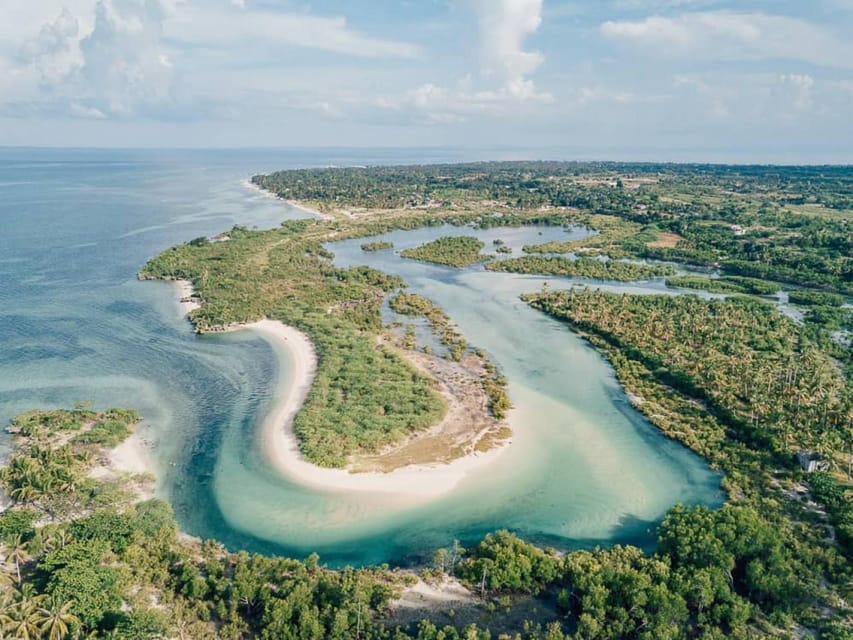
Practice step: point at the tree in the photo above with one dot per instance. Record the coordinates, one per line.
(17, 556)
(56, 619)
(21, 619)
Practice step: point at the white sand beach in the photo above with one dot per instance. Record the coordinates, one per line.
(293, 203)
(186, 301)
(279, 443)
(130, 460)
(131, 456)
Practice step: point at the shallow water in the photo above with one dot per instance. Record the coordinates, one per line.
(584, 467)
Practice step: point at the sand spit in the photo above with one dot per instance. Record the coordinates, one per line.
(279, 443)
(416, 483)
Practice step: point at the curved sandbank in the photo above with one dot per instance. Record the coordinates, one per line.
(281, 447)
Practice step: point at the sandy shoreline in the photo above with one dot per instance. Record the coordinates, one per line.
(293, 203)
(186, 300)
(281, 447)
(130, 459)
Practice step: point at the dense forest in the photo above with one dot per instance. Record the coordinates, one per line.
(738, 382)
(614, 270)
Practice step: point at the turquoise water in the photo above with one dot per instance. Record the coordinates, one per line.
(585, 468)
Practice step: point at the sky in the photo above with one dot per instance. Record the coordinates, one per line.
(758, 80)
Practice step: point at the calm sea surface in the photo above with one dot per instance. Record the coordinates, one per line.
(75, 324)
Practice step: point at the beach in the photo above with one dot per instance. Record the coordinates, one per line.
(293, 203)
(186, 300)
(281, 448)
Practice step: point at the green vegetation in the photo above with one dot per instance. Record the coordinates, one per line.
(724, 284)
(121, 571)
(592, 268)
(830, 318)
(117, 569)
(377, 246)
(746, 388)
(452, 251)
(413, 304)
(815, 298)
(788, 224)
(758, 371)
(364, 396)
(712, 285)
(47, 468)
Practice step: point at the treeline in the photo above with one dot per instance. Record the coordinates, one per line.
(55, 448)
(103, 566)
(745, 219)
(616, 270)
(377, 246)
(721, 574)
(755, 367)
(746, 388)
(724, 284)
(113, 568)
(600, 186)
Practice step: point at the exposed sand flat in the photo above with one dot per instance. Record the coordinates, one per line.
(129, 459)
(131, 456)
(430, 596)
(279, 443)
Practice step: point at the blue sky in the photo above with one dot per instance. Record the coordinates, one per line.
(764, 80)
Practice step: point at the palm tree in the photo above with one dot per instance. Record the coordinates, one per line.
(17, 556)
(56, 618)
(21, 620)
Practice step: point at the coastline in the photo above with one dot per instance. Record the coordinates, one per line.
(281, 448)
(187, 301)
(293, 203)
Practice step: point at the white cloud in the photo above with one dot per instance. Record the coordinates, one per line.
(756, 98)
(504, 86)
(223, 27)
(598, 94)
(504, 25)
(799, 90)
(118, 67)
(126, 67)
(727, 35)
(659, 5)
(125, 58)
(55, 53)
